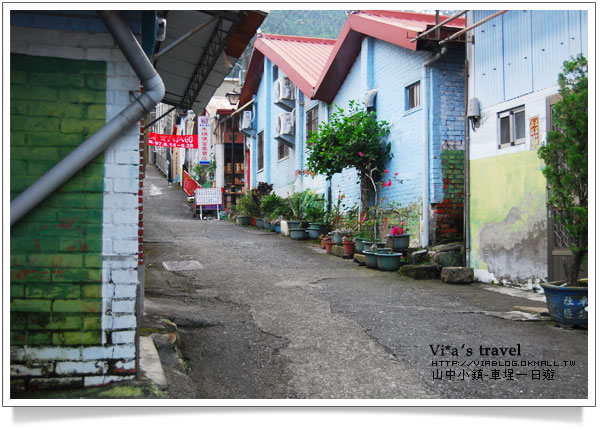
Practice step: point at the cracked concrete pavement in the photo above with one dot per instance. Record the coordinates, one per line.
(268, 317)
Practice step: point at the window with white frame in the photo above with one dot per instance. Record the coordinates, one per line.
(312, 121)
(511, 127)
(413, 95)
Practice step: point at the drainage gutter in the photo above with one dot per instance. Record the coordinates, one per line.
(154, 91)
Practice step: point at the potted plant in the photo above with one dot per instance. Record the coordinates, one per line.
(400, 240)
(565, 156)
(348, 243)
(328, 244)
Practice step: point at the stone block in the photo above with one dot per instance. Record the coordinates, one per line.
(457, 275)
(360, 259)
(425, 271)
(337, 250)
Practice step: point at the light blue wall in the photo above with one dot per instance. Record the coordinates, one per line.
(391, 69)
(522, 51)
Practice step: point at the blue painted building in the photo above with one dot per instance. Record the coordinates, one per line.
(411, 85)
(281, 77)
(514, 62)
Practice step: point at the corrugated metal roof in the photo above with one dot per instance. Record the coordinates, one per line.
(301, 59)
(391, 26)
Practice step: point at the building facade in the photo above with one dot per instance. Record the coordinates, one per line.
(75, 256)
(514, 64)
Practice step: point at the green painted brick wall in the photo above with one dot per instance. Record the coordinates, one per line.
(449, 212)
(56, 250)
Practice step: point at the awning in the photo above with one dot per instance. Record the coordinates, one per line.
(194, 69)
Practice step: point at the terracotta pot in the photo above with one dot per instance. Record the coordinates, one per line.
(349, 248)
(323, 240)
(253, 221)
(329, 246)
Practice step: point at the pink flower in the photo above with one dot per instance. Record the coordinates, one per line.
(390, 183)
(386, 171)
(396, 174)
(383, 185)
(395, 231)
(360, 154)
(364, 218)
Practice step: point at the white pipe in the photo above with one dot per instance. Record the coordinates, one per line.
(154, 91)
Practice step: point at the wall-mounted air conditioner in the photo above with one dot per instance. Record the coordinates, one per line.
(284, 89)
(284, 124)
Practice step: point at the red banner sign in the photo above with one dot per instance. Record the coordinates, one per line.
(173, 140)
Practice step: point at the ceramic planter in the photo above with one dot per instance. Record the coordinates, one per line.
(253, 221)
(323, 240)
(298, 233)
(384, 250)
(567, 305)
(278, 228)
(293, 224)
(260, 223)
(337, 238)
(348, 248)
(244, 219)
(359, 245)
(267, 225)
(400, 242)
(329, 246)
(370, 259)
(313, 233)
(388, 261)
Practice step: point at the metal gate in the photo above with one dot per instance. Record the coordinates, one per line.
(558, 238)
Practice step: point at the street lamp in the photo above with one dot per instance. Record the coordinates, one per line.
(233, 98)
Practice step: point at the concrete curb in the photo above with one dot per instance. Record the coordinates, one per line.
(150, 364)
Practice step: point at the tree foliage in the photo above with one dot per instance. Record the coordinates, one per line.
(350, 139)
(565, 156)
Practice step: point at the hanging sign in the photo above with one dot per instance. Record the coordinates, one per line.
(173, 140)
(204, 137)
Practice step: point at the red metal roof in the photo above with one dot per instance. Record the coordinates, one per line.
(301, 59)
(391, 26)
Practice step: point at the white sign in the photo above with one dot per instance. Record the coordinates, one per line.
(208, 196)
(204, 139)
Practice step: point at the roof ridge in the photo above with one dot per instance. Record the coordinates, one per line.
(404, 14)
(323, 40)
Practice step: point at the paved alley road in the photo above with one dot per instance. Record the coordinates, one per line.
(268, 317)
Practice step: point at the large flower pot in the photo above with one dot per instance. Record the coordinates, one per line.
(399, 242)
(370, 259)
(389, 261)
(313, 233)
(337, 238)
(384, 250)
(348, 248)
(267, 225)
(293, 224)
(359, 245)
(567, 305)
(278, 228)
(323, 240)
(298, 233)
(329, 246)
(315, 225)
(260, 223)
(244, 219)
(253, 221)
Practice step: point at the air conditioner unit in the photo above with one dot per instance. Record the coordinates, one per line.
(246, 120)
(285, 124)
(284, 89)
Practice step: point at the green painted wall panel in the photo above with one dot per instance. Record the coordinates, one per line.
(56, 250)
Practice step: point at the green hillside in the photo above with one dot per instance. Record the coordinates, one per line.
(310, 23)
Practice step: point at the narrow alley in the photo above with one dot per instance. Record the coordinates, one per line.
(256, 315)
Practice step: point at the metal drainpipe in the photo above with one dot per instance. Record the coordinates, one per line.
(426, 65)
(154, 91)
(467, 191)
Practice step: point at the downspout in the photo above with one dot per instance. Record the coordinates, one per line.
(154, 91)
(426, 65)
(467, 191)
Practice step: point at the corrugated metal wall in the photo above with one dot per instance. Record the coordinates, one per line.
(523, 51)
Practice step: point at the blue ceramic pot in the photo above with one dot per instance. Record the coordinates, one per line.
(298, 233)
(370, 259)
(389, 262)
(567, 305)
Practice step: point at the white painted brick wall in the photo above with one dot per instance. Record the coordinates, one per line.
(80, 367)
(120, 205)
(120, 337)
